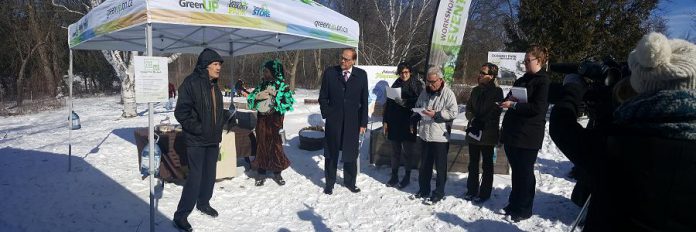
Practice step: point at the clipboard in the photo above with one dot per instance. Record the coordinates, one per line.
(520, 93)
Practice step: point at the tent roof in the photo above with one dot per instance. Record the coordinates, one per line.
(228, 26)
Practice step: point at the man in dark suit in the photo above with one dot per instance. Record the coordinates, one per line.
(343, 103)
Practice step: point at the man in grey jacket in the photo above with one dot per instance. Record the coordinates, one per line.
(440, 107)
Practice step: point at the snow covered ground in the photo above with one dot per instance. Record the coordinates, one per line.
(104, 192)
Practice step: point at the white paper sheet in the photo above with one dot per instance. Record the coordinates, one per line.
(393, 93)
(476, 137)
(520, 93)
(420, 111)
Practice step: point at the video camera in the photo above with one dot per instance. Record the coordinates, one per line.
(600, 75)
(606, 71)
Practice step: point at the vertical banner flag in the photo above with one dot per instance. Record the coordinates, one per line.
(448, 33)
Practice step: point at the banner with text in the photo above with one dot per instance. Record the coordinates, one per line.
(510, 64)
(448, 33)
(378, 79)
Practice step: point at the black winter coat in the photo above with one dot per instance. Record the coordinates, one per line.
(397, 116)
(639, 181)
(484, 114)
(524, 125)
(344, 106)
(199, 107)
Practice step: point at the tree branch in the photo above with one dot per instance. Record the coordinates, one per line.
(53, 2)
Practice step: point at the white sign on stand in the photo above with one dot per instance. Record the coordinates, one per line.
(151, 79)
(510, 64)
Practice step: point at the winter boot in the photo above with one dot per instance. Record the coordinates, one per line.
(406, 180)
(394, 178)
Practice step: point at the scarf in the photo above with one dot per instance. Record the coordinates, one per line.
(667, 113)
(283, 101)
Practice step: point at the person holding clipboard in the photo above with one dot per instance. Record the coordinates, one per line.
(522, 132)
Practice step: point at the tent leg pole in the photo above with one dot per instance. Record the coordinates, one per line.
(70, 109)
(151, 135)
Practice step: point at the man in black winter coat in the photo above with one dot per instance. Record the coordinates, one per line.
(200, 111)
(343, 103)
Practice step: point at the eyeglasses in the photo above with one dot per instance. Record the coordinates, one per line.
(405, 72)
(527, 61)
(433, 82)
(483, 73)
(346, 59)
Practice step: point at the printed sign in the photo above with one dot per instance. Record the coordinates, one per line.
(151, 79)
(510, 64)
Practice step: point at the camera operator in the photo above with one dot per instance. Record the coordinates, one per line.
(642, 166)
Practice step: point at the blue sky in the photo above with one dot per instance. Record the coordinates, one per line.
(678, 14)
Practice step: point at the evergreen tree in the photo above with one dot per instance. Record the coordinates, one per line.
(574, 30)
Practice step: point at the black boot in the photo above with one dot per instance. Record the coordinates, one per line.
(182, 224)
(394, 178)
(406, 180)
(278, 179)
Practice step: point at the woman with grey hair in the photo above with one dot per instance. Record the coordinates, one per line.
(439, 107)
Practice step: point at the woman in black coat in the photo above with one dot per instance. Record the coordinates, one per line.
(523, 132)
(483, 114)
(397, 114)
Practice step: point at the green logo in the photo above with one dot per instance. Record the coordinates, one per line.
(210, 5)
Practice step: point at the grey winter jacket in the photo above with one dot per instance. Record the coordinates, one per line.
(444, 103)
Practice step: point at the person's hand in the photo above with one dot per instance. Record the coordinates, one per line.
(386, 130)
(399, 101)
(429, 113)
(362, 130)
(506, 104)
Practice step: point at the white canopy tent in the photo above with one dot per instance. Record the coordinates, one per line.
(230, 27)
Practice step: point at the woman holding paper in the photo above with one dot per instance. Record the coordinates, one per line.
(397, 113)
(523, 131)
(482, 132)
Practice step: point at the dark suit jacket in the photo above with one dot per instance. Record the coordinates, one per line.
(344, 106)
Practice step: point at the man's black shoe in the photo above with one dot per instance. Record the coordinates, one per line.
(208, 210)
(182, 224)
(421, 195)
(328, 191)
(354, 189)
(517, 218)
(435, 199)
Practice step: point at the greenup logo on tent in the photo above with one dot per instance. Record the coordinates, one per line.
(210, 5)
(207, 5)
(118, 8)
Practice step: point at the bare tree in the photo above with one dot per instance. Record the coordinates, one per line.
(400, 22)
(292, 60)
